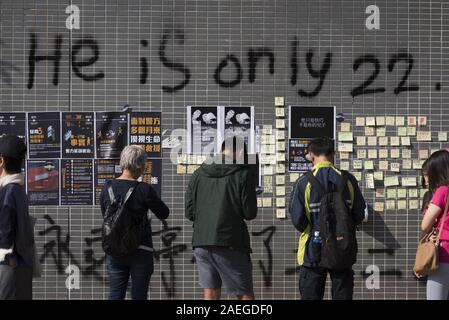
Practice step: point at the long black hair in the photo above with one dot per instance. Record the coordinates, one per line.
(438, 169)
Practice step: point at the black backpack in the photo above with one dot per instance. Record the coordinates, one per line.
(122, 230)
(338, 248)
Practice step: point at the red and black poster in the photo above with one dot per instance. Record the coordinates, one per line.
(111, 134)
(44, 135)
(145, 131)
(13, 123)
(104, 170)
(153, 174)
(78, 135)
(43, 182)
(77, 182)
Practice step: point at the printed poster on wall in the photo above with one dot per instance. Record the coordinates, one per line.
(297, 151)
(77, 182)
(78, 135)
(145, 131)
(239, 121)
(311, 122)
(44, 135)
(111, 134)
(202, 130)
(12, 123)
(43, 182)
(153, 174)
(104, 170)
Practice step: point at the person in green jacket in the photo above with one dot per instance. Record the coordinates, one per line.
(221, 195)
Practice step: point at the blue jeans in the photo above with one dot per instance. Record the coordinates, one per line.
(139, 266)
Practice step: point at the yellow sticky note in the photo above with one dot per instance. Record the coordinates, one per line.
(402, 193)
(280, 112)
(413, 204)
(395, 167)
(266, 202)
(409, 182)
(361, 154)
(280, 145)
(345, 136)
(383, 141)
(411, 131)
(280, 213)
(442, 136)
(405, 141)
(391, 205)
(413, 193)
(380, 121)
(280, 168)
(280, 191)
(280, 202)
(361, 141)
(391, 181)
(380, 193)
(402, 204)
(267, 129)
(390, 121)
(259, 203)
(372, 153)
(407, 164)
(411, 121)
(369, 131)
(294, 176)
(267, 170)
(400, 121)
(383, 153)
(280, 180)
(280, 134)
(422, 120)
(345, 147)
(424, 136)
(423, 154)
(280, 156)
(379, 176)
(360, 121)
(395, 141)
(383, 165)
(357, 164)
(402, 131)
(357, 176)
(345, 127)
(406, 153)
(369, 165)
(279, 101)
(381, 132)
(391, 194)
(417, 164)
(371, 121)
(395, 153)
(181, 169)
(344, 165)
(344, 155)
(379, 207)
(369, 180)
(280, 124)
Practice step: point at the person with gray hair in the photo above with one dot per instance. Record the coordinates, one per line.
(139, 264)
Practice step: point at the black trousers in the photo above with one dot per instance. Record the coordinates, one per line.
(312, 282)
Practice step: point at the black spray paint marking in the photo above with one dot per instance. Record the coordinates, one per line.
(143, 65)
(77, 65)
(223, 64)
(317, 74)
(267, 272)
(253, 57)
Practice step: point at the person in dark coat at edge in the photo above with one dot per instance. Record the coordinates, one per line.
(220, 196)
(17, 247)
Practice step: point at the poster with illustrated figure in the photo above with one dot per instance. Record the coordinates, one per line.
(77, 182)
(78, 135)
(297, 151)
(203, 129)
(312, 122)
(145, 131)
(239, 121)
(111, 134)
(44, 135)
(12, 123)
(43, 186)
(104, 170)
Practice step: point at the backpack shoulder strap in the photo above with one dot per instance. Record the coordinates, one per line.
(110, 191)
(316, 184)
(130, 192)
(343, 181)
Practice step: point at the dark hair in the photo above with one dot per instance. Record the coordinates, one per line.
(424, 172)
(235, 145)
(321, 146)
(438, 169)
(12, 165)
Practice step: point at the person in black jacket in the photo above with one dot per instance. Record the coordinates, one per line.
(17, 248)
(138, 265)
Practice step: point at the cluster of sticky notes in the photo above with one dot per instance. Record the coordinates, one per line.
(280, 158)
(189, 163)
(382, 155)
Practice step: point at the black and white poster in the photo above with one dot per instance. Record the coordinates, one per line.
(297, 151)
(111, 134)
(153, 174)
(12, 123)
(145, 131)
(239, 121)
(77, 182)
(311, 122)
(104, 170)
(203, 130)
(78, 135)
(43, 187)
(44, 135)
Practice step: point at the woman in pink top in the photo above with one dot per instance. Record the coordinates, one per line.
(438, 176)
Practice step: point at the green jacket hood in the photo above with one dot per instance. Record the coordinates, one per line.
(217, 167)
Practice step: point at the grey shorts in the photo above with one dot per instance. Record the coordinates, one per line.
(217, 265)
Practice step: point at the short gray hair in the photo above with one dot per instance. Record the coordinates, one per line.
(133, 158)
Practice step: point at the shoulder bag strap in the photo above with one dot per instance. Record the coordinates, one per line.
(442, 221)
(316, 184)
(110, 191)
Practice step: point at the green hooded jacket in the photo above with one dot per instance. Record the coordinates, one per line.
(218, 200)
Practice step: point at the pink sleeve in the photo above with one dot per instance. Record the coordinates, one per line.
(440, 196)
